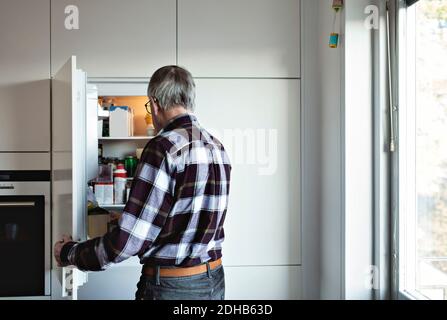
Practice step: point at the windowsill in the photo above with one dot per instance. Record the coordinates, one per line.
(405, 295)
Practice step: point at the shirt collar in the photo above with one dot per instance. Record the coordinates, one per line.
(178, 121)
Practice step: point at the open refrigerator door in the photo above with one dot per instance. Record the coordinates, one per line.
(69, 171)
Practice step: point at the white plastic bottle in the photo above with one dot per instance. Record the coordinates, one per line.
(119, 184)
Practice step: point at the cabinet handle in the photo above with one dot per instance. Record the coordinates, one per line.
(17, 204)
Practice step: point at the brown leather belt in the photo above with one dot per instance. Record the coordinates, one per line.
(180, 271)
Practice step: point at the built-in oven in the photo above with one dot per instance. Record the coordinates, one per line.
(25, 248)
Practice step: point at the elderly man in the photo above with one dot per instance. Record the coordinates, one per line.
(177, 205)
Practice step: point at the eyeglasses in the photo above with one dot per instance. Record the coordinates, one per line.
(148, 107)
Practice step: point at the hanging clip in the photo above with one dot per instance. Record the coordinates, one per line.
(333, 40)
(337, 5)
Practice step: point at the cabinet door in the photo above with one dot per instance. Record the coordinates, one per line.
(233, 38)
(258, 121)
(69, 169)
(24, 75)
(263, 283)
(115, 38)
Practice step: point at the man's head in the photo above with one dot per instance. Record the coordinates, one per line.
(171, 92)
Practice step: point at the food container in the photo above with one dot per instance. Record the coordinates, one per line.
(97, 225)
(121, 121)
(104, 193)
(150, 131)
(108, 193)
(119, 184)
(105, 173)
(130, 164)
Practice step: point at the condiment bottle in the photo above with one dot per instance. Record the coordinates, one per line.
(120, 179)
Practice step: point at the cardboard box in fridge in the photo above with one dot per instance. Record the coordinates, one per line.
(121, 121)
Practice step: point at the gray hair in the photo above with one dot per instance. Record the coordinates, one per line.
(171, 86)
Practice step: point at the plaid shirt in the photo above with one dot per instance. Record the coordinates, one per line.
(176, 208)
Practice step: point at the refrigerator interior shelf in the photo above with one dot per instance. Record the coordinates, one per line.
(125, 138)
(112, 206)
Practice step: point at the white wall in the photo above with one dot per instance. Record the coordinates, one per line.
(322, 154)
(358, 151)
(310, 150)
(330, 63)
(338, 101)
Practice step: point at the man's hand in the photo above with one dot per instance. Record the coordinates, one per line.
(58, 248)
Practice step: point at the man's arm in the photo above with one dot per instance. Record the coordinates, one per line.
(150, 201)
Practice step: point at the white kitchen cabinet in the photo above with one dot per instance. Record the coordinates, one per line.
(241, 283)
(24, 75)
(115, 38)
(233, 38)
(112, 284)
(258, 121)
(263, 283)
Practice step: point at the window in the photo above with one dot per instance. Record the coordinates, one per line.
(423, 150)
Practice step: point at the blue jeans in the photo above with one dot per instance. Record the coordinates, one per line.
(205, 286)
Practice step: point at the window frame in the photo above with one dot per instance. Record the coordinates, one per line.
(404, 193)
(404, 163)
(410, 2)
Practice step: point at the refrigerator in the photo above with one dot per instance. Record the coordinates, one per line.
(75, 142)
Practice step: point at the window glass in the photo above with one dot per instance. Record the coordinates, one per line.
(427, 230)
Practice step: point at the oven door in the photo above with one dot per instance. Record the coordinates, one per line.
(24, 239)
